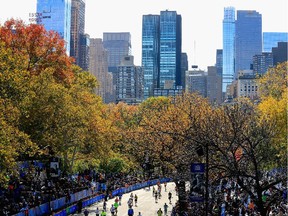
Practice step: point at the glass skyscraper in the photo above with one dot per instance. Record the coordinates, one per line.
(170, 50)
(228, 47)
(118, 45)
(56, 16)
(248, 39)
(150, 52)
(161, 51)
(77, 32)
(271, 39)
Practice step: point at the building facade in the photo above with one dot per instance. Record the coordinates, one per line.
(261, 63)
(271, 39)
(214, 86)
(247, 85)
(118, 44)
(196, 81)
(184, 68)
(150, 52)
(161, 52)
(56, 16)
(248, 39)
(98, 66)
(170, 49)
(129, 82)
(280, 53)
(77, 29)
(228, 68)
(84, 50)
(219, 62)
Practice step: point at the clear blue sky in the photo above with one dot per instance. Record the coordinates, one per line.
(201, 20)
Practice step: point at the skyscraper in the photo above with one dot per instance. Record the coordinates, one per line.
(248, 39)
(261, 63)
(56, 16)
(129, 81)
(150, 52)
(280, 53)
(228, 47)
(118, 45)
(84, 49)
(270, 39)
(170, 49)
(98, 66)
(219, 62)
(184, 68)
(161, 51)
(77, 29)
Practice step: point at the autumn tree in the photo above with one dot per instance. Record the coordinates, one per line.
(273, 107)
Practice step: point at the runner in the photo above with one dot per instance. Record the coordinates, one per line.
(170, 197)
(97, 212)
(165, 186)
(165, 209)
(104, 206)
(112, 210)
(160, 212)
(139, 214)
(135, 199)
(130, 212)
(103, 213)
(116, 205)
(156, 198)
(86, 212)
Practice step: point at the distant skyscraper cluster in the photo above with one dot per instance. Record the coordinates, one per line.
(246, 52)
(245, 48)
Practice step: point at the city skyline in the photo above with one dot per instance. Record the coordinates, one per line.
(201, 25)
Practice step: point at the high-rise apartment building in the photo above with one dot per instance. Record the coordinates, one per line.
(56, 16)
(228, 69)
(98, 66)
(196, 81)
(161, 51)
(270, 40)
(77, 31)
(248, 39)
(261, 63)
(129, 82)
(150, 52)
(118, 44)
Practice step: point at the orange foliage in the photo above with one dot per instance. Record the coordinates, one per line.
(39, 48)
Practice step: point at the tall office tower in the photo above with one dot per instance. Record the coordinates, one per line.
(84, 52)
(56, 16)
(161, 52)
(118, 45)
(196, 81)
(170, 49)
(270, 39)
(280, 53)
(214, 85)
(219, 62)
(261, 63)
(248, 39)
(77, 29)
(98, 66)
(228, 47)
(184, 68)
(129, 81)
(150, 53)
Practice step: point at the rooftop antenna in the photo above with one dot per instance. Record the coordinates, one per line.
(194, 65)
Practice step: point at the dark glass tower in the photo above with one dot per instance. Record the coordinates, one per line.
(150, 52)
(56, 16)
(248, 39)
(228, 47)
(161, 51)
(170, 50)
(77, 31)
